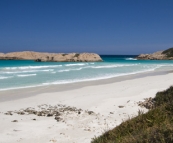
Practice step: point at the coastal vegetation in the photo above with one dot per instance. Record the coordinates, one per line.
(168, 52)
(155, 126)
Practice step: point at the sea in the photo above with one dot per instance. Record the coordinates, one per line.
(16, 74)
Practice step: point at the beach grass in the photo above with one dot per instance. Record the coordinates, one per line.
(155, 126)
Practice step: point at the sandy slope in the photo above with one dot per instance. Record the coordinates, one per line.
(79, 128)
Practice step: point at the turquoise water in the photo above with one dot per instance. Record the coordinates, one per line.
(19, 74)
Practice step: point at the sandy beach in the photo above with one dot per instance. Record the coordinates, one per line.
(111, 101)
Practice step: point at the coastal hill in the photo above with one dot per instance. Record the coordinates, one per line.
(160, 55)
(51, 57)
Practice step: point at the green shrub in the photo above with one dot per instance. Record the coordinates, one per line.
(168, 52)
(155, 126)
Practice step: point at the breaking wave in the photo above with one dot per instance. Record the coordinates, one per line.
(130, 59)
(3, 77)
(32, 67)
(80, 64)
(25, 75)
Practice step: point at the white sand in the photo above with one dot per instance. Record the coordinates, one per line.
(102, 99)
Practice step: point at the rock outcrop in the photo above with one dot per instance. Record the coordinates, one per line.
(160, 55)
(1, 54)
(51, 57)
(154, 56)
(59, 112)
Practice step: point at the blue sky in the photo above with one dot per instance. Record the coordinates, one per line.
(101, 26)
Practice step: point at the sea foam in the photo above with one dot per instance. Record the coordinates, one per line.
(25, 75)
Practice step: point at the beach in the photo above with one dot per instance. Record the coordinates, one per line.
(111, 101)
(86, 71)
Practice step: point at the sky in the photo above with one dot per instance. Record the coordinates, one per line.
(116, 27)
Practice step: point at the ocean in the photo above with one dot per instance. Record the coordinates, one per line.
(26, 73)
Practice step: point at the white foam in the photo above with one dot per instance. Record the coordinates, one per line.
(25, 75)
(93, 79)
(3, 77)
(46, 70)
(27, 71)
(80, 64)
(67, 70)
(110, 66)
(130, 59)
(32, 67)
(63, 70)
(113, 66)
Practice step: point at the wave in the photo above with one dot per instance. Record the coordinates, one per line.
(113, 66)
(106, 76)
(94, 78)
(67, 70)
(32, 67)
(80, 64)
(4, 77)
(96, 67)
(28, 71)
(25, 75)
(130, 59)
(63, 70)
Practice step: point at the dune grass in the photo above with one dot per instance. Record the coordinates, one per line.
(155, 126)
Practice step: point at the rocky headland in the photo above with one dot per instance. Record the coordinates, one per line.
(51, 57)
(160, 55)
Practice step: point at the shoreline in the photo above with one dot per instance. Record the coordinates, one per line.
(112, 101)
(16, 93)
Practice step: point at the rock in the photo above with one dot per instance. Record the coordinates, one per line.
(57, 114)
(38, 60)
(30, 111)
(50, 111)
(51, 57)
(21, 113)
(90, 112)
(14, 121)
(121, 106)
(49, 115)
(160, 55)
(58, 118)
(39, 113)
(8, 113)
(34, 119)
(2, 54)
